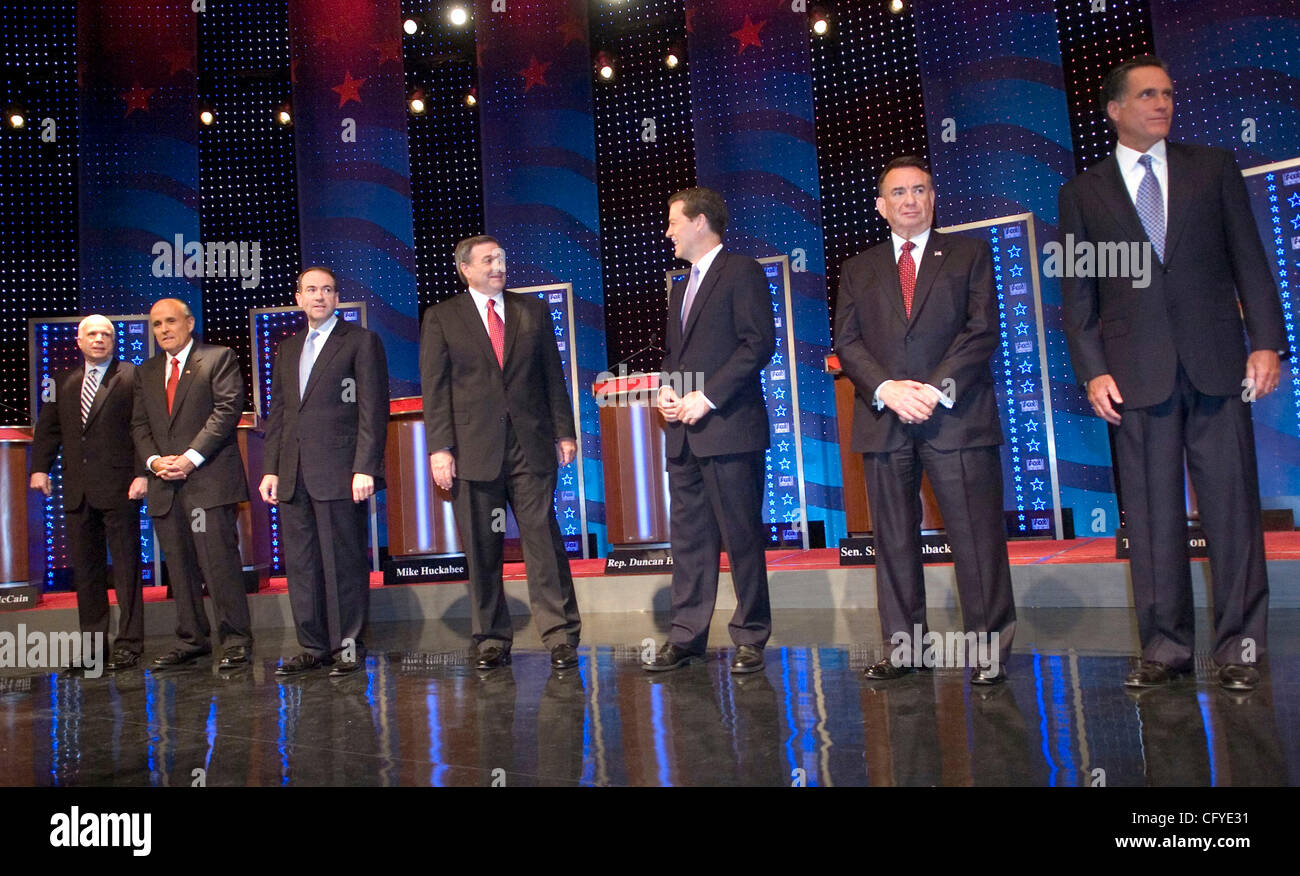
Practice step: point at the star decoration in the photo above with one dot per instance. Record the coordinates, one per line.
(1026, 367)
(567, 479)
(1040, 505)
(136, 360)
(137, 98)
(389, 50)
(784, 447)
(573, 30)
(559, 331)
(349, 89)
(1022, 329)
(1021, 309)
(778, 393)
(1027, 386)
(571, 530)
(1013, 252)
(785, 465)
(137, 345)
(534, 73)
(1033, 444)
(1037, 484)
(777, 358)
(178, 60)
(1294, 200)
(1295, 221)
(787, 499)
(1031, 426)
(748, 34)
(556, 315)
(1016, 270)
(780, 410)
(568, 513)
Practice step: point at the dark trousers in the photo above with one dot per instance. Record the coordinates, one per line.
(1218, 438)
(718, 500)
(328, 570)
(968, 486)
(92, 534)
(479, 507)
(203, 549)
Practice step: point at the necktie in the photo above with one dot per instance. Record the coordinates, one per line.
(306, 361)
(691, 288)
(907, 276)
(172, 379)
(88, 388)
(1151, 208)
(497, 332)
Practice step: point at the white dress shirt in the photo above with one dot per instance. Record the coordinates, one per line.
(919, 242)
(1133, 171)
(191, 454)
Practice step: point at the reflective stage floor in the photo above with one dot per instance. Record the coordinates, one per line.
(422, 715)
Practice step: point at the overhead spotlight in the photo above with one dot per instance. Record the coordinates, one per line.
(821, 21)
(16, 117)
(206, 115)
(284, 114)
(895, 6)
(411, 26)
(416, 102)
(471, 99)
(671, 61)
(605, 66)
(458, 16)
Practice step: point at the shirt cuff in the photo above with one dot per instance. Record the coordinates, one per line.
(875, 397)
(148, 463)
(711, 405)
(194, 456)
(943, 399)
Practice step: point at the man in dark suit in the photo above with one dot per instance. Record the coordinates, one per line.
(324, 459)
(915, 324)
(719, 337)
(497, 415)
(1164, 360)
(90, 418)
(188, 400)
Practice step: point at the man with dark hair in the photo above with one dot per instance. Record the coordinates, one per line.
(103, 483)
(916, 322)
(1165, 365)
(324, 459)
(497, 418)
(719, 338)
(188, 400)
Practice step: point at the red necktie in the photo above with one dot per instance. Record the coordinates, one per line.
(497, 332)
(907, 276)
(172, 380)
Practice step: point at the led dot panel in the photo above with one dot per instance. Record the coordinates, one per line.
(867, 100)
(38, 183)
(645, 151)
(247, 180)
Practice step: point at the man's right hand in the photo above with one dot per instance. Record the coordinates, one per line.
(269, 489)
(1102, 391)
(911, 400)
(40, 481)
(443, 466)
(669, 402)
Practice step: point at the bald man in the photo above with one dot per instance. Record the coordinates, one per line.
(89, 418)
(188, 400)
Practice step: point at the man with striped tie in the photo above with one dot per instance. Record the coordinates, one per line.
(1166, 365)
(103, 483)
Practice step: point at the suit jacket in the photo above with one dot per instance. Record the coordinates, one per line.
(468, 396)
(1189, 313)
(952, 333)
(205, 414)
(728, 339)
(98, 462)
(342, 427)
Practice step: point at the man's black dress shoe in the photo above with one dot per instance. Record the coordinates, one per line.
(179, 657)
(346, 667)
(564, 656)
(302, 663)
(1151, 673)
(1238, 676)
(235, 655)
(122, 659)
(671, 656)
(749, 658)
(988, 676)
(885, 670)
(492, 656)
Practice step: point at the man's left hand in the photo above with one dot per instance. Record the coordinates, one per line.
(139, 488)
(363, 487)
(1263, 371)
(693, 408)
(566, 450)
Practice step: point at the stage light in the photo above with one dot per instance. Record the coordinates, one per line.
(411, 26)
(458, 16)
(416, 102)
(895, 6)
(284, 114)
(16, 118)
(821, 21)
(207, 116)
(471, 99)
(672, 61)
(605, 66)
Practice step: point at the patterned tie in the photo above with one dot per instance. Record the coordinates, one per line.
(691, 288)
(497, 332)
(1151, 208)
(89, 387)
(172, 379)
(306, 361)
(907, 276)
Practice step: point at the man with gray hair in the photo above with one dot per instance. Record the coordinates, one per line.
(89, 418)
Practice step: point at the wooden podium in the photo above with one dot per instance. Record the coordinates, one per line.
(420, 519)
(857, 507)
(634, 460)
